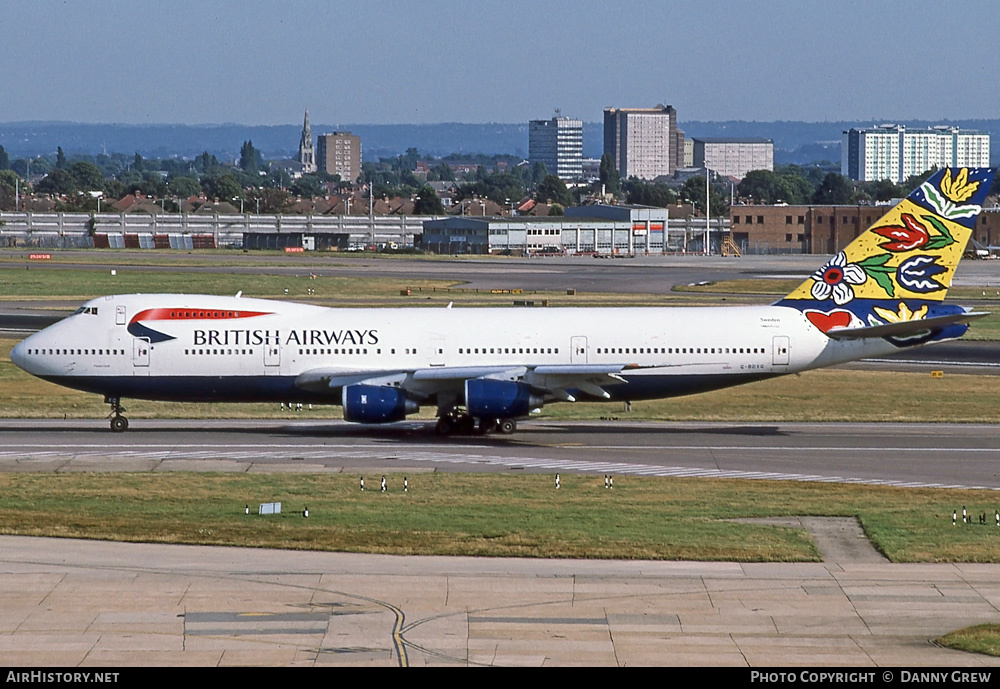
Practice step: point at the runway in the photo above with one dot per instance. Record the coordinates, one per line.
(933, 455)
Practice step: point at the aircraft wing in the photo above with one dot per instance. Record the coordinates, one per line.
(330, 379)
(555, 380)
(904, 328)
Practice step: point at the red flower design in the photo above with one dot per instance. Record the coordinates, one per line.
(833, 319)
(912, 236)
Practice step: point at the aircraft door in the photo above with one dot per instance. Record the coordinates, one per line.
(272, 357)
(140, 352)
(438, 347)
(120, 314)
(779, 350)
(578, 349)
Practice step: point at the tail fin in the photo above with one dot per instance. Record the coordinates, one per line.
(900, 269)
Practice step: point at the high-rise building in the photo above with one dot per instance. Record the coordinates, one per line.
(733, 156)
(688, 153)
(892, 152)
(558, 144)
(339, 153)
(643, 142)
(307, 152)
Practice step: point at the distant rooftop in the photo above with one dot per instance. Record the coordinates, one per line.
(732, 140)
(897, 128)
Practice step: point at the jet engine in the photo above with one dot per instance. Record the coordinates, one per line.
(499, 398)
(376, 404)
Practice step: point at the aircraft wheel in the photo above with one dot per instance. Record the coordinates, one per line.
(507, 426)
(119, 424)
(466, 424)
(487, 425)
(444, 426)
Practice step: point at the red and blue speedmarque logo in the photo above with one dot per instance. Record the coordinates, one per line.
(137, 328)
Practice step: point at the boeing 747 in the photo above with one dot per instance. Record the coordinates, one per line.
(486, 368)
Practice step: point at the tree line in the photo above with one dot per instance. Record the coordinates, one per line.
(501, 179)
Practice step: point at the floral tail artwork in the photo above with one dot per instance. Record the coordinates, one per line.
(891, 280)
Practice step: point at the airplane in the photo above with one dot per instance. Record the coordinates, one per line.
(486, 368)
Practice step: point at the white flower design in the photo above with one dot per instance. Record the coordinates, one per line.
(835, 279)
(947, 208)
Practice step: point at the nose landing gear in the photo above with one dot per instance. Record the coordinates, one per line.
(118, 422)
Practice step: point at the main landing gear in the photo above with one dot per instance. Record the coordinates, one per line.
(118, 422)
(463, 424)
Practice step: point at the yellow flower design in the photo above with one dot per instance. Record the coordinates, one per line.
(959, 189)
(903, 314)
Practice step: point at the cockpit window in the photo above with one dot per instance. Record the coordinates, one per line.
(86, 309)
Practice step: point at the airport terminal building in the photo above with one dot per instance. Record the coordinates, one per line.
(598, 229)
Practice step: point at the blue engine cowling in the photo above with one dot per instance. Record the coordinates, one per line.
(376, 404)
(499, 398)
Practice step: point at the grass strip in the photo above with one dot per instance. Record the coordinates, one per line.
(77, 284)
(982, 638)
(492, 515)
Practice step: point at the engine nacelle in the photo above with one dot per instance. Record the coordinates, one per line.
(376, 404)
(499, 398)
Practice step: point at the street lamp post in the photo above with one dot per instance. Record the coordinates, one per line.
(708, 213)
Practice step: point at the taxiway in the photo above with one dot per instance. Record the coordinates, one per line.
(935, 455)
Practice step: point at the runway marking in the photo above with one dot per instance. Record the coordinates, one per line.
(249, 454)
(213, 450)
(931, 362)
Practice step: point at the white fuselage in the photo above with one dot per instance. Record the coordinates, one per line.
(191, 347)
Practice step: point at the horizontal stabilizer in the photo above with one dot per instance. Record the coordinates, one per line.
(903, 328)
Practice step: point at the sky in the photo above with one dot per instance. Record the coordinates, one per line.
(260, 62)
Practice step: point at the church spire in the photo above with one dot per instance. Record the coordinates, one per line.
(307, 152)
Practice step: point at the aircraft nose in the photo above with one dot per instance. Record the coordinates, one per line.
(17, 355)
